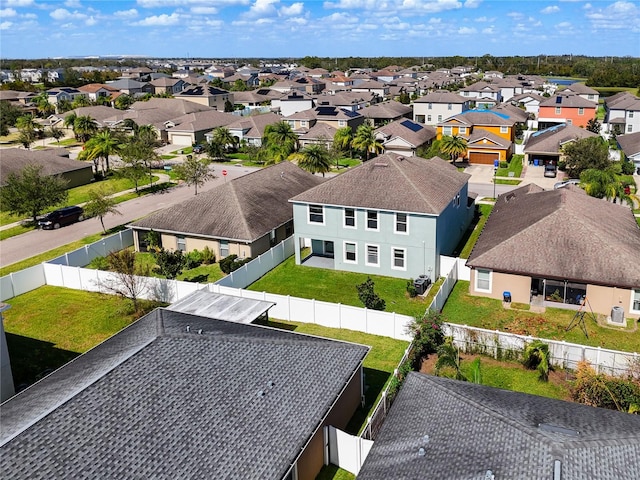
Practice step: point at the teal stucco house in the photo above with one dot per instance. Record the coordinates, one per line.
(391, 216)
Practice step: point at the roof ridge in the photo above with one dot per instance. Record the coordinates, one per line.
(413, 185)
(238, 204)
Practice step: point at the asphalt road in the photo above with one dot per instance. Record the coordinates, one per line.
(486, 190)
(32, 243)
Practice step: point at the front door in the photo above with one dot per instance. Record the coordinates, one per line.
(328, 248)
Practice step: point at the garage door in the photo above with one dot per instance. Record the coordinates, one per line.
(485, 158)
(181, 140)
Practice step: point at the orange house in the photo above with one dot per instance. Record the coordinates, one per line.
(568, 108)
(489, 134)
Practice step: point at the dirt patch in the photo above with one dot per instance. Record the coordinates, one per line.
(526, 325)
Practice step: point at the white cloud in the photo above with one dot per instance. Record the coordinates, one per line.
(515, 15)
(91, 21)
(264, 21)
(489, 30)
(72, 3)
(18, 3)
(131, 13)
(204, 10)
(159, 20)
(262, 8)
(5, 25)
(616, 16)
(472, 3)
(64, 14)
(8, 12)
(187, 3)
(563, 25)
(550, 9)
(467, 31)
(339, 17)
(587, 6)
(294, 9)
(300, 21)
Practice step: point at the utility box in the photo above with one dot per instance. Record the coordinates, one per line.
(617, 315)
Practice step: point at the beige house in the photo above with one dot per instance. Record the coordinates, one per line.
(245, 216)
(555, 248)
(206, 95)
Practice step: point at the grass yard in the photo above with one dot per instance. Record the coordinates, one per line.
(471, 235)
(39, 341)
(500, 181)
(515, 166)
(70, 142)
(464, 309)
(337, 287)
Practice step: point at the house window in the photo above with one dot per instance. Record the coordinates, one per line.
(635, 300)
(402, 223)
(466, 94)
(590, 96)
(449, 106)
(181, 244)
(430, 107)
(291, 123)
(342, 123)
(316, 214)
(558, 110)
(398, 258)
(630, 114)
(580, 111)
(372, 220)
(447, 130)
(569, 121)
(373, 258)
(462, 130)
(350, 252)
(420, 118)
(629, 128)
(439, 118)
(224, 248)
(483, 280)
(303, 123)
(350, 218)
(428, 118)
(504, 129)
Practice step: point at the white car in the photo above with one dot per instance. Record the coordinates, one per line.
(564, 183)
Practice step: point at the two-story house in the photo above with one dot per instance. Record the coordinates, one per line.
(585, 92)
(293, 102)
(385, 112)
(336, 117)
(437, 106)
(483, 94)
(392, 216)
(623, 112)
(207, 95)
(404, 136)
(567, 108)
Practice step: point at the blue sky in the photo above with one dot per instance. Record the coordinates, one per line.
(333, 28)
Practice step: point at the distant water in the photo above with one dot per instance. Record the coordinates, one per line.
(561, 81)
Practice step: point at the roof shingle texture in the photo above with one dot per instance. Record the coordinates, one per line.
(392, 182)
(13, 160)
(184, 405)
(562, 234)
(246, 208)
(552, 139)
(474, 428)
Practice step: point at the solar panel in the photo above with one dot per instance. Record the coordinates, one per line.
(330, 111)
(414, 127)
(558, 99)
(350, 113)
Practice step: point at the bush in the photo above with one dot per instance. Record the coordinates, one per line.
(427, 336)
(504, 164)
(599, 390)
(208, 257)
(170, 264)
(536, 357)
(99, 263)
(368, 297)
(562, 165)
(193, 259)
(232, 263)
(411, 289)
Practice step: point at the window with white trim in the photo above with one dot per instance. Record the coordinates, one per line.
(402, 223)
(349, 218)
(504, 129)
(590, 96)
(558, 110)
(316, 214)
(635, 300)
(629, 128)
(303, 123)
(483, 280)
(447, 130)
(350, 252)
(372, 220)
(398, 258)
(291, 123)
(224, 248)
(181, 243)
(462, 130)
(342, 123)
(630, 114)
(373, 255)
(430, 107)
(428, 118)
(580, 111)
(449, 106)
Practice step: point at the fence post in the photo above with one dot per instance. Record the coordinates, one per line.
(366, 320)
(339, 315)
(598, 360)
(66, 258)
(384, 402)
(313, 309)
(289, 307)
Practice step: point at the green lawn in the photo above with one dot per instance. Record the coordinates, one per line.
(212, 272)
(465, 309)
(471, 236)
(184, 150)
(39, 341)
(337, 287)
(70, 142)
(515, 166)
(500, 181)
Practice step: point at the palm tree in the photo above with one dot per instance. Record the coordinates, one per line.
(101, 146)
(448, 356)
(222, 137)
(280, 135)
(342, 140)
(42, 103)
(80, 101)
(70, 120)
(365, 140)
(26, 138)
(148, 135)
(26, 123)
(84, 127)
(314, 158)
(536, 356)
(454, 146)
(602, 183)
(55, 132)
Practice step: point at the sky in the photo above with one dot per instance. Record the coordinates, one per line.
(325, 28)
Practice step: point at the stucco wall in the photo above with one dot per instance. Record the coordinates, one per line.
(519, 286)
(602, 299)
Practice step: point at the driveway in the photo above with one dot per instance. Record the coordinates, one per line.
(35, 242)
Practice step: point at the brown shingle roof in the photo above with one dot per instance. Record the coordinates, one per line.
(416, 134)
(53, 161)
(552, 139)
(562, 234)
(571, 100)
(392, 182)
(442, 97)
(630, 143)
(245, 209)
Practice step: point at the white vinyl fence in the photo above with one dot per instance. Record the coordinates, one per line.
(347, 451)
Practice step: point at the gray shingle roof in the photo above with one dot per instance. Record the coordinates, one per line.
(157, 402)
(573, 100)
(562, 234)
(386, 110)
(442, 96)
(473, 428)
(552, 139)
(416, 134)
(392, 182)
(53, 162)
(245, 208)
(630, 143)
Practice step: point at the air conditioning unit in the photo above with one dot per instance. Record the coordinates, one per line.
(617, 315)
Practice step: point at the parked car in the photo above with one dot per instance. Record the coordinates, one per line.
(198, 149)
(61, 217)
(550, 171)
(564, 183)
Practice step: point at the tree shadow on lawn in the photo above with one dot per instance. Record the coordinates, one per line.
(32, 359)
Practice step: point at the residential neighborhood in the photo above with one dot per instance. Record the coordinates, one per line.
(290, 270)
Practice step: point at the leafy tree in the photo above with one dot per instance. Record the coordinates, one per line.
(449, 357)
(194, 172)
(454, 146)
(80, 101)
(100, 204)
(605, 391)
(228, 106)
(26, 138)
(603, 183)
(29, 192)
(536, 357)
(135, 156)
(220, 140)
(586, 153)
(124, 101)
(365, 140)
(342, 140)
(8, 115)
(27, 123)
(368, 297)
(64, 105)
(314, 158)
(170, 263)
(131, 277)
(593, 125)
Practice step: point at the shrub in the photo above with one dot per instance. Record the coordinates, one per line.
(368, 297)
(99, 263)
(504, 164)
(411, 289)
(562, 165)
(427, 336)
(170, 264)
(232, 263)
(193, 259)
(599, 390)
(208, 257)
(536, 357)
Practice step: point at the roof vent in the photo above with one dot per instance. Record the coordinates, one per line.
(188, 328)
(200, 332)
(400, 158)
(489, 475)
(380, 164)
(547, 427)
(261, 393)
(271, 384)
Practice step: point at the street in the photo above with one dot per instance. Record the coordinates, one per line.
(27, 245)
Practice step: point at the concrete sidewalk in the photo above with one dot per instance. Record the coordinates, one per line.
(530, 174)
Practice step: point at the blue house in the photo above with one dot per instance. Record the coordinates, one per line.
(391, 216)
